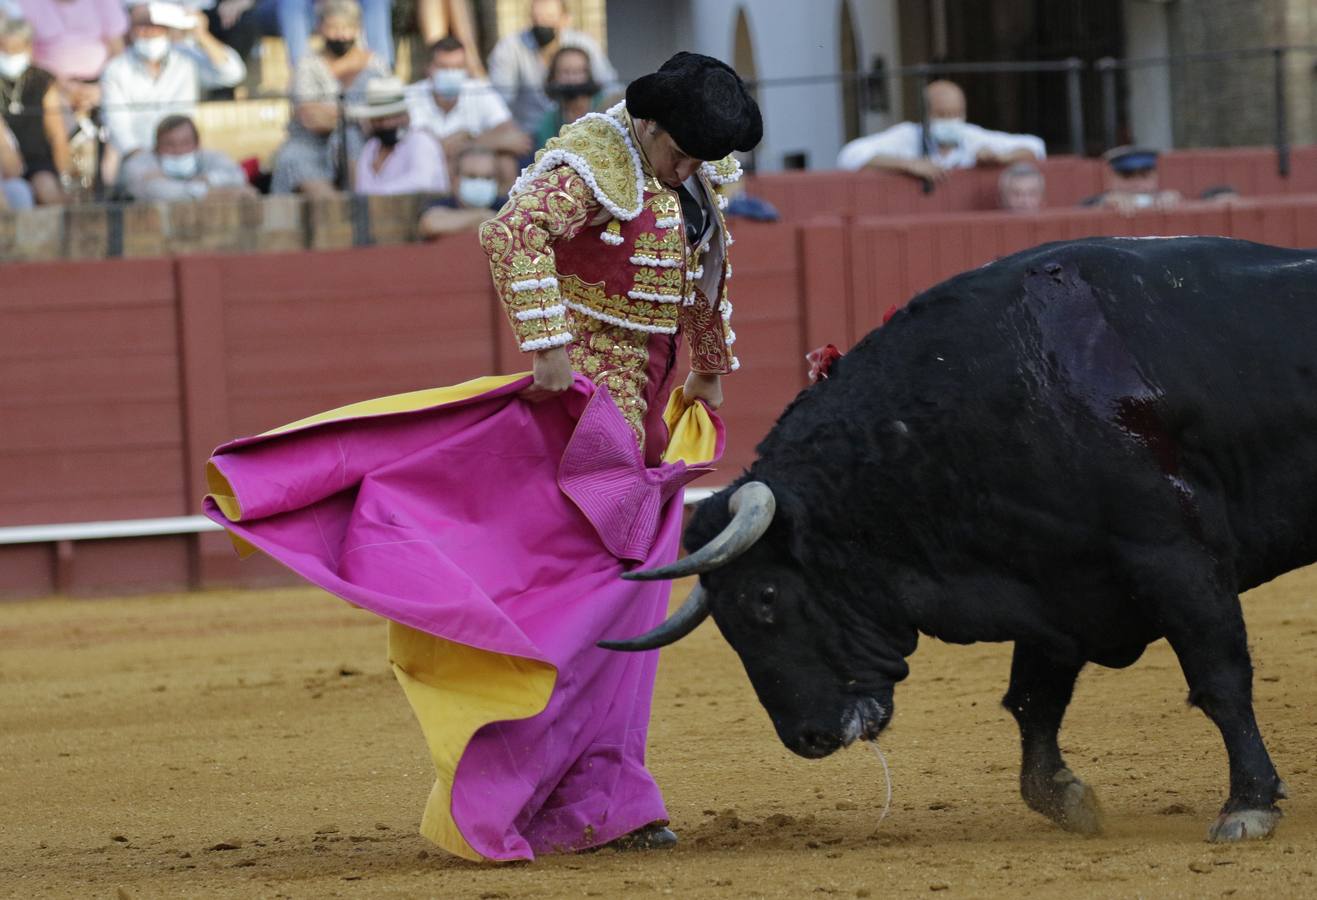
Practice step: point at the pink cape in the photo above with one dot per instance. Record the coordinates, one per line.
(500, 525)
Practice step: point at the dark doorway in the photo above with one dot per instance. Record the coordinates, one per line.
(1016, 30)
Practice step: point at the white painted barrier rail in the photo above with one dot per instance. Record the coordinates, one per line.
(131, 528)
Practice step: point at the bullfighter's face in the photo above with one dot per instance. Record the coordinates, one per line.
(823, 673)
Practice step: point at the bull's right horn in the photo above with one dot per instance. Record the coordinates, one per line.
(694, 611)
(752, 508)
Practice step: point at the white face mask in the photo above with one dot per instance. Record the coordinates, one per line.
(12, 65)
(152, 49)
(477, 193)
(182, 166)
(946, 132)
(448, 82)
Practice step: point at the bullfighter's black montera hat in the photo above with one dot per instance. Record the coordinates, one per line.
(701, 102)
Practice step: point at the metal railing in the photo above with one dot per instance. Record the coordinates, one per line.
(1073, 70)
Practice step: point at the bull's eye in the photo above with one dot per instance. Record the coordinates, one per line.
(765, 607)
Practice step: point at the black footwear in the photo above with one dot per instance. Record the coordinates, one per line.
(650, 837)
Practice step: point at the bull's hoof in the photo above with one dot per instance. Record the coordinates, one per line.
(1079, 808)
(1068, 802)
(1243, 825)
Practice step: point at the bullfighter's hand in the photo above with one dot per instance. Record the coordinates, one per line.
(553, 374)
(708, 388)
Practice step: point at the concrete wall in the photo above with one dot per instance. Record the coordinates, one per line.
(789, 41)
(1150, 111)
(1223, 103)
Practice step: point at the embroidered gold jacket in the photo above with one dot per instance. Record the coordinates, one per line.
(588, 228)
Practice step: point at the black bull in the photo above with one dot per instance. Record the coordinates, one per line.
(1080, 448)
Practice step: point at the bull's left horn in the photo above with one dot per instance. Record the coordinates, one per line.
(694, 611)
(752, 508)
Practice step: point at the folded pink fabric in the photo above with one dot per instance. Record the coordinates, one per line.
(501, 525)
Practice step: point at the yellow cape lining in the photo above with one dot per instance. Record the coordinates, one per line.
(454, 690)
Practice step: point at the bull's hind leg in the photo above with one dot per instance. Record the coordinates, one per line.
(1039, 693)
(1213, 652)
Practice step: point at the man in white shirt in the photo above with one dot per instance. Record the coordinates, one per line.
(951, 142)
(463, 112)
(518, 62)
(157, 76)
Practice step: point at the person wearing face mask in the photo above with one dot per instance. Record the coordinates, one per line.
(571, 86)
(179, 168)
(310, 161)
(295, 18)
(462, 112)
(31, 106)
(519, 62)
(948, 143)
(397, 159)
(475, 196)
(163, 72)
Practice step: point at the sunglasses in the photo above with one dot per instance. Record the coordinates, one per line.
(1136, 173)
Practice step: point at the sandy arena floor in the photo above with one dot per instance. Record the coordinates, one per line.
(254, 744)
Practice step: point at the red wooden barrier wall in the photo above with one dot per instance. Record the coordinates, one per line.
(1252, 171)
(121, 376)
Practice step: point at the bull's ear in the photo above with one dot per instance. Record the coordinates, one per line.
(792, 521)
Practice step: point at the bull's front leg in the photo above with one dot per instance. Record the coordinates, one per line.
(1038, 695)
(1213, 653)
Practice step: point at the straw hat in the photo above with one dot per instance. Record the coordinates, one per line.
(384, 98)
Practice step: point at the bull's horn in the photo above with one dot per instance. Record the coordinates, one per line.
(752, 508)
(694, 611)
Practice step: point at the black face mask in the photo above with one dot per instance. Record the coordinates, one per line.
(389, 137)
(543, 34)
(339, 48)
(565, 92)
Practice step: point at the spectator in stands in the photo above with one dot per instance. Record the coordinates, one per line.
(238, 23)
(161, 75)
(17, 193)
(519, 61)
(475, 196)
(571, 86)
(461, 111)
(950, 143)
(1021, 188)
(179, 169)
(1131, 182)
(318, 155)
(295, 26)
(74, 40)
(437, 19)
(396, 159)
(33, 112)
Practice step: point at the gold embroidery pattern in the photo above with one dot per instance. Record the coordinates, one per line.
(519, 242)
(602, 151)
(702, 324)
(616, 358)
(642, 316)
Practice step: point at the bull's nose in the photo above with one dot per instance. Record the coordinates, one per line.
(816, 744)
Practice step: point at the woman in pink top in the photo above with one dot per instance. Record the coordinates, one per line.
(395, 160)
(74, 39)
